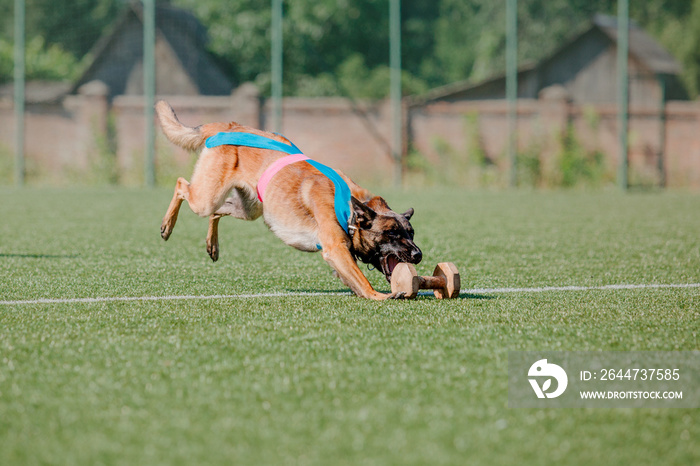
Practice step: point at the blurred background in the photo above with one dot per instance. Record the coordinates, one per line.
(449, 92)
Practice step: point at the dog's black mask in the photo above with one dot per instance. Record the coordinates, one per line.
(383, 238)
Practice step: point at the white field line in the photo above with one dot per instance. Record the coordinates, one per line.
(580, 288)
(474, 291)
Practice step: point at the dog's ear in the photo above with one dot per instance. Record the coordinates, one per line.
(378, 204)
(408, 214)
(364, 214)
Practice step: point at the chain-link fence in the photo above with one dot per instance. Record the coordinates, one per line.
(79, 80)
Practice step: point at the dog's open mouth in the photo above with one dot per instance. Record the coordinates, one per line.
(388, 264)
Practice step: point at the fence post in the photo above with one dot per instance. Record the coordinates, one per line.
(149, 89)
(512, 86)
(19, 79)
(277, 64)
(623, 90)
(661, 161)
(395, 88)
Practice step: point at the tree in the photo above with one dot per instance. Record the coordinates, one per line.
(74, 25)
(322, 38)
(58, 34)
(341, 47)
(691, 54)
(50, 63)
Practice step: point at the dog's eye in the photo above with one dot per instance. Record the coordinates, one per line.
(395, 234)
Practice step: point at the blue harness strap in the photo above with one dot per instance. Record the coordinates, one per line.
(250, 140)
(342, 193)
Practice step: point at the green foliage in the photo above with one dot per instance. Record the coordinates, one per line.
(529, 166)
(6, 61)
(476, 153)
(104, 167)
(469, 165)
(442, 42)
(43, 61)
(239, 34)
(324, 42)
(422, 170)
(464, 47)
(470, 35)
(74, 25)
(578, 166)
(356, 80)
(7, 165)
(465, 165)
(690, 37)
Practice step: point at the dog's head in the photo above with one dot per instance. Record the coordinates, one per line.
(382, 237)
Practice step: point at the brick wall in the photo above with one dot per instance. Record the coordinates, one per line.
(355, 137)
(541, 125)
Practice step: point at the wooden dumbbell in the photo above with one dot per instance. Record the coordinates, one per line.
(445, 281)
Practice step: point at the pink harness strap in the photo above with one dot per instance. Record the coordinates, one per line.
(276, 166)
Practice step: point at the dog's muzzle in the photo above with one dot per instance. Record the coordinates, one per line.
(389, 262)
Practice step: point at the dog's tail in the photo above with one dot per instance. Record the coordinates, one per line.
(177, 133)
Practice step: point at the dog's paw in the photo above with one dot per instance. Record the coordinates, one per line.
(397, 295)
(165, 231)
(213, 251)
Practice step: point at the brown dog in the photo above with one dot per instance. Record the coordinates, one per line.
(298, 207)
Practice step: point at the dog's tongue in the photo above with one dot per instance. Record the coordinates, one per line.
(391, 262)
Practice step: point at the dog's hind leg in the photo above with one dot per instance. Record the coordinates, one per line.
(181, 193)
(240, 204)
(211, 183)
(213, 237)
(202, 202)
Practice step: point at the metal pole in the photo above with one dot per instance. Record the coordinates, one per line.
(277, 64)
(149, 88)
(662, 132)
(395, 88)
(512, 86)
(623, 89)
(19, 78)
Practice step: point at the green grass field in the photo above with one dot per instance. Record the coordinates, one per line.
(332, 379)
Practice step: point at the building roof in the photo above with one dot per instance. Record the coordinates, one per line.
(642, 47)
(185, 35)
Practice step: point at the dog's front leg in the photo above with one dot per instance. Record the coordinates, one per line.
(335, 245)
(336, 252)
(339, 257)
